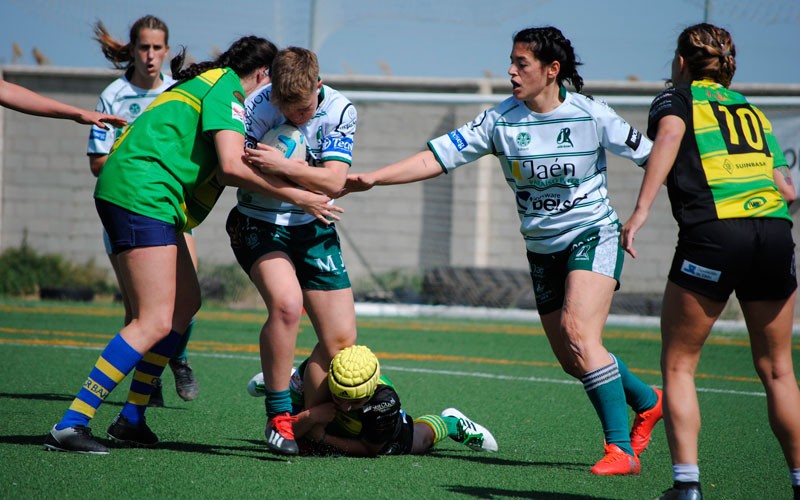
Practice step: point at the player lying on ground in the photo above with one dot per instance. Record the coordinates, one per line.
(365, 417)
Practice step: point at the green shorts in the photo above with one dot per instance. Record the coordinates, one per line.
(597, 250)
(313, 248)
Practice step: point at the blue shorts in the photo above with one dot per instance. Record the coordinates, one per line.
(107, 241)
(127, 230)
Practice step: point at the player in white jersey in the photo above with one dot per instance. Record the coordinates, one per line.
(128, 96)
(293, 258)
(551, 145)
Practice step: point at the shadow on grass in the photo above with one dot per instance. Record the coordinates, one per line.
(68, 398)
(478, 492)
(257, 451)
(493, 459)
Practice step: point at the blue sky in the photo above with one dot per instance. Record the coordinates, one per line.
(422, 38)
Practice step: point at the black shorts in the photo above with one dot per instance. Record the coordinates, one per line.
(754, 257)
(401, 443)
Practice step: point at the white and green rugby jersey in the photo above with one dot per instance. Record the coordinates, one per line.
(554, 162)
(329, 137)
(126, 100)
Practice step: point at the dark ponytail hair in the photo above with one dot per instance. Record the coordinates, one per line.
(120, 53)
(548, 44)
(244, 56)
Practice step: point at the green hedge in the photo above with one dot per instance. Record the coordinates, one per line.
(23, 271)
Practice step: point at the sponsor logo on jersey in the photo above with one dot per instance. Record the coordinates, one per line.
(563, 139)
(542, 293)
(701, 272)
(98, 134)
(250, 141)
(338, 144)
(251, 240)
(523, 140)
(634, 139)
(95, 388)
(755, 202)
(135, 109)
(457, 139)
(237, 112)
(329, 266)
(727, 166)
(552, 203)
(537, 271)
(583, 252)
(380, 407)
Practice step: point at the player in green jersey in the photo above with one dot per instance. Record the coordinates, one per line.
(163, 176)
(728, 185)
(363, 416)
(128, 96)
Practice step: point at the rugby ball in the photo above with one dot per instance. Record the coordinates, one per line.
(288, 140)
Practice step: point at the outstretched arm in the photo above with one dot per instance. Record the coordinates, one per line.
(665, 149)
(27, 101)
(418, 167)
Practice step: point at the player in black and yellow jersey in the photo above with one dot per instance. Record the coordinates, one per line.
(365, 418)
(729, 188)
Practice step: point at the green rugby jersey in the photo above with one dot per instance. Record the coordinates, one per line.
(724, 168)
(164, 165)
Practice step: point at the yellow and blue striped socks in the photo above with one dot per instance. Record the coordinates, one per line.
(114, 363)
(148, 369)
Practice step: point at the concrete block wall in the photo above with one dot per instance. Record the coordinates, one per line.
(47, 187)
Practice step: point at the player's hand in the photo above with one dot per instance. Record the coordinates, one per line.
(269, 160)
(322, 414)
(356, 183)
(317, 205)
(316, 434)
(629, 229)
(100, 119)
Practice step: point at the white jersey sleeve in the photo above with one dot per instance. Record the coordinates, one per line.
(126, 100)
(468, 143)
(617, 136)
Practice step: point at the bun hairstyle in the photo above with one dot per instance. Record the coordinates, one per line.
(709, 52)
(244, 56)
(548, 44)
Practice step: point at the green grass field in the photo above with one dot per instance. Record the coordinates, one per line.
(502, 374)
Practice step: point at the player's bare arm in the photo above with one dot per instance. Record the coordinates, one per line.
(234, 171)
(418, 167)
(783, 179)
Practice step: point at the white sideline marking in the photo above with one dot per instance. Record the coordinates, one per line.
(417, 370)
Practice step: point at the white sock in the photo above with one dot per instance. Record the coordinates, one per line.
(795, 474)
(686, 473)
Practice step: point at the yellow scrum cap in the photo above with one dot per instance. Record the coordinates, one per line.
(354, 373)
